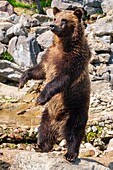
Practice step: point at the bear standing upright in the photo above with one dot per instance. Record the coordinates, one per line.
(65, 68)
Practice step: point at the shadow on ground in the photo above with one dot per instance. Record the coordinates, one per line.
(4, 165)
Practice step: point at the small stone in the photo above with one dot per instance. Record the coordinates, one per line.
(20, 146)
(31, 131)
(36, 129)
(28, 148)
(87, 152)
(16, 131)
(101, 124)
(11, 136)
(5, 145)
(88, 129)
(94, 128)
(18, 137)
(3, 136)
(62, 143)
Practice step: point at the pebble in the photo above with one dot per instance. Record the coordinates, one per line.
(62, 143)
(94, 128)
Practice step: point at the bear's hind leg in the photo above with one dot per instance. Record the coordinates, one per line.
(46, 138)
(74, 133)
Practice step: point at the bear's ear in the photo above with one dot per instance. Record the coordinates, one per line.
(56, 10)
(78, 12)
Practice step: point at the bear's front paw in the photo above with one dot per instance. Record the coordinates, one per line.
(42, 99)
(24, 78)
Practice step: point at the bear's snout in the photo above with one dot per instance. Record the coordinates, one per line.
(52, 27)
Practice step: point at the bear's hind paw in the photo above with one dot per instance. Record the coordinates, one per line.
(71, 157)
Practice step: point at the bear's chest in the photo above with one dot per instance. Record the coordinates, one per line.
(53, 63)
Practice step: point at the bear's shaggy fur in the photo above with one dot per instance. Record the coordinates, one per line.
(65, 67)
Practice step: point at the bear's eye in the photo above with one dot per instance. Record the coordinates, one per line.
(54, 19)
(63, 22)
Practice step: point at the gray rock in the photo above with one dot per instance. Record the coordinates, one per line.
(110, 145)
(98, 44)
(43, 161)
(3, 37)
(107, 5)
(28, 21)
(104, 26)
(6, 7)
(42, 18)
(17, 30)
(49, 12)
(111, 57)
(65, 4)
(112, 47)
(103, 39)
(3, 15)
(92, 10)
(5, 25)
(13, 18)
(39, 30)
(41, 55)
(111, 165)
(45, 39)
(2, 48)
(94, 128)
(24, 50)
(93, 3)
(104, 58)
(9, 70)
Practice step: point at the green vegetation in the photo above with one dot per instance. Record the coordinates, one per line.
(22, 5)
(6, 56)
(43, 3)
(99, 12)
(91, 136)
(46, 3)
(19, 4)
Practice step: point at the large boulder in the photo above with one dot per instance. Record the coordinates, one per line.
(93, 3)
(6, 7)
(45, 42)
(43, 161)
(9, 70)
(63, 4)
(104, 26)
(2, 48)
(28, 21)
(24, 50)
(107, 5)
(92, 6)
(5, 25)
(17, 29)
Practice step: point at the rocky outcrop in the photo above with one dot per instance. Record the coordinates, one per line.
(6, 7)
(24, 50)
(18, 37)
(91, 6)
(9, 70)
(107, 6)
(52, 161)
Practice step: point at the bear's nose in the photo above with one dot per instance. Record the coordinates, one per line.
(52, 27)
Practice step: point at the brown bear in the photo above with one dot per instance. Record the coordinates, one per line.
(65, 68)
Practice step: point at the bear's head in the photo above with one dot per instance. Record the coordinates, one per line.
(65, 22)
